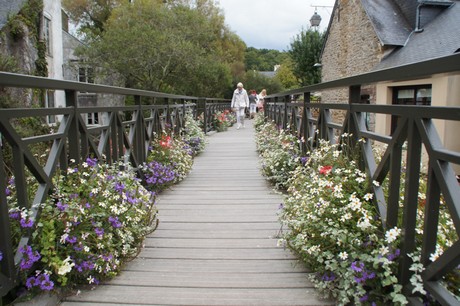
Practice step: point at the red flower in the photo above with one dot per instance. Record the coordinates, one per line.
(165, 141)
(325, 170)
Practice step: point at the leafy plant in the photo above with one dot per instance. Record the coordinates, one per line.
(279, 153)
(193, 135)
(93, 222)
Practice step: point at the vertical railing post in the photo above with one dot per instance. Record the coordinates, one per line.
(286, 113)
(74, 135)
(411, 189)
(201, 107)
(139, 137)
(354, 96)
(305, 122)
(6, 245)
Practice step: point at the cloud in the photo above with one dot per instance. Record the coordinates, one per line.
(272, 24)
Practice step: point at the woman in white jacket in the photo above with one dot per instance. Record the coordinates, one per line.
(240, 101)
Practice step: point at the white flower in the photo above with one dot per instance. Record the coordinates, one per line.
(376, 183)
(384, 250)
(66, 266)
(90, 279)
(63, 238)
(343, 255)
(368, 196)
(86, 249)
(392, 234)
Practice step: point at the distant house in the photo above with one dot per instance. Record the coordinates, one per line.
(369, 35)
(62, 63)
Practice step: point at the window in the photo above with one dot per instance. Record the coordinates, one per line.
(410, 95)
(49, 102)
(92, 118)
(85, 75)
(47, 34)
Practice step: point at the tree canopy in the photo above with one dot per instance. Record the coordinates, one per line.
(305, 51)
(263, 59)
(181, 47)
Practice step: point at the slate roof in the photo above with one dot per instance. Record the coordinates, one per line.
(389, 22)
(9, 8)
(440, 37)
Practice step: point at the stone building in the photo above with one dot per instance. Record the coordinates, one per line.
(60, 61)
(369, 35)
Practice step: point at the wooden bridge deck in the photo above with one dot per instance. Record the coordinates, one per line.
(217, 240)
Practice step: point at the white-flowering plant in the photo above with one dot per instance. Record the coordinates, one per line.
(279, 153)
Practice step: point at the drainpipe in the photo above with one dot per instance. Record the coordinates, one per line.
(417, 19)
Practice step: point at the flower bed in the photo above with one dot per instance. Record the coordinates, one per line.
(98, 215)
(334, 226)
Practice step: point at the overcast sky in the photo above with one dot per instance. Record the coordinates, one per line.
(272, 24)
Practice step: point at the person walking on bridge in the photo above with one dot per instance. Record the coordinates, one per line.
(240, 101)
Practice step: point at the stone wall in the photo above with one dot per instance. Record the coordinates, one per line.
(352, 47)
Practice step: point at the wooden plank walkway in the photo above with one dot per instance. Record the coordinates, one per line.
(217, 240)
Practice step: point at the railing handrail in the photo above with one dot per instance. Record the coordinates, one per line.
(407, 72)
(8, 79)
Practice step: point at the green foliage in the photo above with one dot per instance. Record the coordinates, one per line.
(257, 81)
(41, 64)
(263, 59)
(29, 16)
(285, 75)
(305, 51)
(170, 48)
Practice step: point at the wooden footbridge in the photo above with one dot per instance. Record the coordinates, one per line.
(216, 243)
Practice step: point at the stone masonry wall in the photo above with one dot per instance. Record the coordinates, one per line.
(352, 47)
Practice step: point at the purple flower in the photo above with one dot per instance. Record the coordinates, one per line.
(31, 282)
(328, 277)
(281, 206)
(1, 255)
(99, 231)
(7, 191)
(304, 160)
(45, 282)
(29, 258)
(393, 256)
(364, 298)
(91, 162)
(114, 221)
(26, 223)
(71, 240)
(61, 207)
(119, 187)
(355, 268)
(15, 215)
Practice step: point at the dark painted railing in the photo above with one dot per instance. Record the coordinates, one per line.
(122, 132)
(416, 127)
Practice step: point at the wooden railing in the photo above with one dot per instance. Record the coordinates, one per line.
(122, 132)
(416, 129)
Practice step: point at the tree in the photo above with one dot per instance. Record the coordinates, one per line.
(285, 75)
(257, 81)
(305, 52)
(263, 59)
(170, 48)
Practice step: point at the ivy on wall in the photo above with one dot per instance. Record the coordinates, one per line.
(30, 17)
